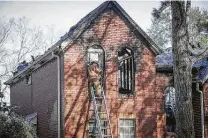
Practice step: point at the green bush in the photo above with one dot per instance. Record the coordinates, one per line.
(13, 126)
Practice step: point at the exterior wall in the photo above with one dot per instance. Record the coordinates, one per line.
(20, 96)
(205, 91)
(40, 97)
(112, 32)
(196, 102)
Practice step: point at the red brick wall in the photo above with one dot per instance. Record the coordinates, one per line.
(146, 107)
(205, 91)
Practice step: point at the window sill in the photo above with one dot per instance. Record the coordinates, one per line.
(126, 96)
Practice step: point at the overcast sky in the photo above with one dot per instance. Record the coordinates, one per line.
(63, 15)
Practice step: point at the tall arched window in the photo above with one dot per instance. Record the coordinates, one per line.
(170, 109)
(96, 54)
(126, 74)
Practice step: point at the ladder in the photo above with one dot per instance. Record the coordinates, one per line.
(101, 115)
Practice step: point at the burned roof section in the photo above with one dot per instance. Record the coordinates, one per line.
(76, 30)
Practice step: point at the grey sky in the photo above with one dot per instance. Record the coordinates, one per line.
(63, 15)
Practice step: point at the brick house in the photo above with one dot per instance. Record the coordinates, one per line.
(135, 78)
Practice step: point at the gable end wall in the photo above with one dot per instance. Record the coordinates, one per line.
(111, 32)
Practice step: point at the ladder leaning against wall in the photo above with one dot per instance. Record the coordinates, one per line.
(101, 115)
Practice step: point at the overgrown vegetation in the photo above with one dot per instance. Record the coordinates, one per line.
(13, 126)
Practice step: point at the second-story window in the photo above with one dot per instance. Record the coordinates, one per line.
(126, 71)
(96, 54)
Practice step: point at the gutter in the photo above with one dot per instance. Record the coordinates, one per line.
(59, 92)
(202, 108)
(164, 68)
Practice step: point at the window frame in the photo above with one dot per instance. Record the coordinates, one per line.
(129, 66)
(167, 90)
(95, 125)
(98, 49)
(134, 123)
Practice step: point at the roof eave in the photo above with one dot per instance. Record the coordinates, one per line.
(164, 68)
(54, 48)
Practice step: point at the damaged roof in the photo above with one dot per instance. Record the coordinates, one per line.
(76, 30)
(202, 65)
(164, 61)
(165, 58)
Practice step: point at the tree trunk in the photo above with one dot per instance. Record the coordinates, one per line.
(182, 71)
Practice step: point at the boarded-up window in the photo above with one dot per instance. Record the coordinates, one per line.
(126, 71)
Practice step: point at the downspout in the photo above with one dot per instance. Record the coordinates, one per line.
(202, 107)
(59, 93)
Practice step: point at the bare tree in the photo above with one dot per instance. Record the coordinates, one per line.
(18, 41)
(5, 31)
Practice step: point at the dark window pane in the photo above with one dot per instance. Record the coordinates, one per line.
(126, 72)
(170, 108)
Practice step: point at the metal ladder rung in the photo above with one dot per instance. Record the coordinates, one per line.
(98, 105)
(102, 112)
(107, 136)
(103, 120)
(93, 134)
(98, 97)
(105, 128)
(99, 101)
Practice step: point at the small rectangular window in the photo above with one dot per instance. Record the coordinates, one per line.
(93, 129)
(127, 128)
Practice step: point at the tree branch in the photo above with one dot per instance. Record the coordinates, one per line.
(188, 7)
(198, 53)
(157, 12)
